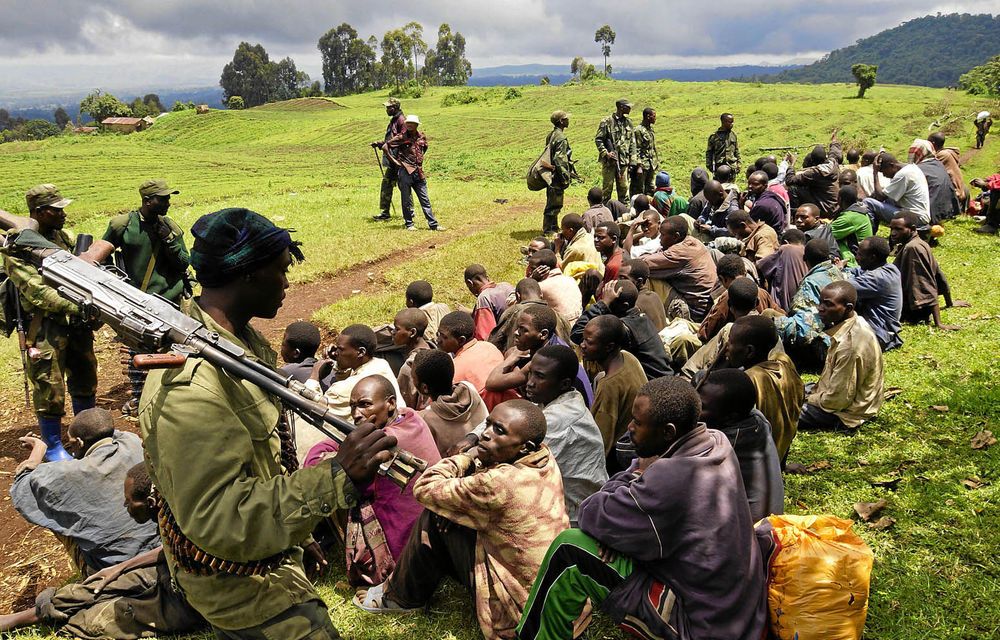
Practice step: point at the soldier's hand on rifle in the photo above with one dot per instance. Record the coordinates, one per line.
(377, 144)
(612, 156)
(314, 561)
(362, 451)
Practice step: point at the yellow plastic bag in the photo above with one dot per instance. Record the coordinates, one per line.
(819, 579)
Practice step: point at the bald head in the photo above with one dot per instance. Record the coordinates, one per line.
(714, 192)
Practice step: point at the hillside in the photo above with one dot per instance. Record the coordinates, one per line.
(306, 164)
(557, 74)
(932, 51)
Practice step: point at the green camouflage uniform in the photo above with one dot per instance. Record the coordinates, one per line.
(723, 148)
(57, 348)
(615, 135)
(136, 237)
(213, 452)
(559, 154)
(647, 158)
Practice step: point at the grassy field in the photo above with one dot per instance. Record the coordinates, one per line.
(308, 166)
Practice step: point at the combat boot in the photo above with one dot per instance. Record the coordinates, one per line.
(51, 429)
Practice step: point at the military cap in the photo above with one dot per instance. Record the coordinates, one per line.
(391, 102)
(412, 118)
(557, 116)
(45, 195)
(623, 102)
(156, 188)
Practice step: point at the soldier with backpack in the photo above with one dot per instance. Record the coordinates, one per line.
(562, 171)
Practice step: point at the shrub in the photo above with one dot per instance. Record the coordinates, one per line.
(235, 103)
(513, 93)
(465, 96)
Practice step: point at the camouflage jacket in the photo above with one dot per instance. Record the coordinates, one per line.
(615, 135)
(36, 296)
(723, 148)
(559, 154)
(645, 148)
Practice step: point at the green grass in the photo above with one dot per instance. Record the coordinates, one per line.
(935, 573)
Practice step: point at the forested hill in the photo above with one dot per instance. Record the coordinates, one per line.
(932, 51)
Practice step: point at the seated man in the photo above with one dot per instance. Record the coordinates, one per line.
(807, 221)
(642, 339)
(489, 515)
(574, 243)
(729, 268)
(597, 213)
(453, 409)
(373, 401)
(474, 359)
(353, 354)
(606, 241)
(667, 545)
(851, 225)
(130, 600)
(907, 189)
(420, 295)
(559, 291)
(683, 268)
(637, 272)
(298, 349)
(408, 328)
(527, 293)
(759, 240)
(768, 207)
(850, 389)
(643, 234)
(784, 269)
(619, 380)
(572, 436)
(728, 397)
(779, 387)
(880, 291)
(491, 299)
(720, 204)
(79, 500)
(817, 182)
(922, 278)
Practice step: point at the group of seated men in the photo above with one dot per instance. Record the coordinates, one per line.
(605, 432)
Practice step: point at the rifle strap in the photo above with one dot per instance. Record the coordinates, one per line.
(150, 266)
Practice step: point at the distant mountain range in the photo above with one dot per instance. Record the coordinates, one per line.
(932, 51)
(34, 106)
(558, 74)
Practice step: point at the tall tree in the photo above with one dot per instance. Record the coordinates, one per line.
(577, 66)
(284, 79)
(61, 117)
(414, 32)
(864, 74)
(606, 37)
(4, 120)
(395, 55)
(348, 61)
(446, 64)
(102, 105)
(139, 108)
(248, 76)
(153, 102)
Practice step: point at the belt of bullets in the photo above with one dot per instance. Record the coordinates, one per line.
(199, 562)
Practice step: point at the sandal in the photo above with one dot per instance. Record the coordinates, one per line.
(374, 601)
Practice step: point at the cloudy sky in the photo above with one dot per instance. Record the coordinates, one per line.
(56, 45)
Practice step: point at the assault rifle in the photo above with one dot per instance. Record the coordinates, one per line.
(149, 323)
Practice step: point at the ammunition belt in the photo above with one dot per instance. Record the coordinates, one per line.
(192, 559)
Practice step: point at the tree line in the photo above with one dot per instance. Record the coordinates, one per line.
(350, 65)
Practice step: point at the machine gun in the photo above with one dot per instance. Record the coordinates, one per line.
(149, 323)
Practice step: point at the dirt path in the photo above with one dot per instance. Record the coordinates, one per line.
(31, 556)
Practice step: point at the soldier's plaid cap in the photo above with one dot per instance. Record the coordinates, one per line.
(45, 195)
(156, 188)
(391, 102)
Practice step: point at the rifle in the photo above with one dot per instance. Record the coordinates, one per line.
(801, 146)
(10, 222)
(149, 323)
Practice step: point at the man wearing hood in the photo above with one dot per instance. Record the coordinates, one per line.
(697, 203)
(665, 200)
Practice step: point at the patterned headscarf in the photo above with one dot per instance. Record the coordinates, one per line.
(232, 242)
(920, 150)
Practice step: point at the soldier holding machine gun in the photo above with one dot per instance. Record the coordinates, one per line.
(60, 344)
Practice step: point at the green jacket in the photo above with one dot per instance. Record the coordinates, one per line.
(36, 296)
(213, 452)
(645, 148)
(615, 135)
(136, 238)
(723, 148)
(559, 153)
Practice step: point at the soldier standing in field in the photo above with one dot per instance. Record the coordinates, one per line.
(60, 344)
(390, 177)
(723, 147)
(156, 259)
(646, 155)
(616, 150)
(562, 170)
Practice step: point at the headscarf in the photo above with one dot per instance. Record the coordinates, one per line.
(920, 150)
(232, 242)
(699, 178)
